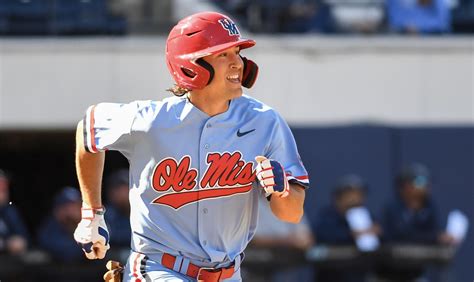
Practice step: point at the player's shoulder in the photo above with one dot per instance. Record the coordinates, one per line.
(142, 112)
(256, 107)
(146, 107)
(173, 101)
(157, 105)
(254, 103)
(132, 106)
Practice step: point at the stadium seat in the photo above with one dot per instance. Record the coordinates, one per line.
(463, 17)
(79, 16)
(116, 25)
(28, 9)
(4, 8)
(3, 25)
(37, 17)
(25, 16)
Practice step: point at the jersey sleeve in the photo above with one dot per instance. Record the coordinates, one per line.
(107, 126)
(284, 150)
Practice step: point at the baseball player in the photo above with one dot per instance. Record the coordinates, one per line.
(198, 161)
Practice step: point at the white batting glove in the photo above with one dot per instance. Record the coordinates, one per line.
(272, 177)
(91, 233)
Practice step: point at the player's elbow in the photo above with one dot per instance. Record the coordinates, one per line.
(292, 219)
(294, 216)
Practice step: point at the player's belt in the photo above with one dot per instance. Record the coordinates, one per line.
(200, 273)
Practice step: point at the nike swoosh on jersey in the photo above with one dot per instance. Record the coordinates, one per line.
(240, 134)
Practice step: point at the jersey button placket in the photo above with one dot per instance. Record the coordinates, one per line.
(203, 221)
(208, 133)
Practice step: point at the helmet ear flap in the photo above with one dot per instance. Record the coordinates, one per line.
(208, 67)
(250, 72)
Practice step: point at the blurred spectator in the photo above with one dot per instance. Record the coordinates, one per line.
(307, 16)
(117, 213)
(13, 233)
(412, 217)
(332, 227)
(293, 16)
(419, 16)
(266, 15)
(59, 17)
(357, 16)
(463, 16)
(55, 233)
(273, 233)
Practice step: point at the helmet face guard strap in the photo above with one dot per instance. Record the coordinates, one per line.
(200, 35)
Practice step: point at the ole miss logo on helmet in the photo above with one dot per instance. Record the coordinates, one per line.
(226, 175)
(229, 26)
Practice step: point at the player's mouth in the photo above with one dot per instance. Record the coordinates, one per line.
(234, 78)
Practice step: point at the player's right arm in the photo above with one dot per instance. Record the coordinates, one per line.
(91, 232)
(89, 169)
(106, 126)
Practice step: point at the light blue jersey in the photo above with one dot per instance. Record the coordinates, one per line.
(192, 177)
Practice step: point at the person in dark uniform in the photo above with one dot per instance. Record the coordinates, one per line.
(13, 233)
(411, 218)
(332, 227)
(118, 209)
(54, 234)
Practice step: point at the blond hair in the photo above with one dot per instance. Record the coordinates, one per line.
(178, 90)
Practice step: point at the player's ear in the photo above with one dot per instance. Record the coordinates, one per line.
(250, 72)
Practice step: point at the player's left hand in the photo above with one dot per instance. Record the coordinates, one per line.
(92, 234)
(272, 177)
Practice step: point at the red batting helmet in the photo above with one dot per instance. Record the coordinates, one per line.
(200, 35)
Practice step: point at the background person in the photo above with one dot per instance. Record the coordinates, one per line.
(412, 217)
(54, 234)
(332, 227)
(118, 209)
(295, 238)
(13, 232)
(419, 16)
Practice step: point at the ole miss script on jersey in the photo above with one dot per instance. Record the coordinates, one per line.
(227, 174)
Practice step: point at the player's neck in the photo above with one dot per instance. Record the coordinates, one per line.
(210, 105)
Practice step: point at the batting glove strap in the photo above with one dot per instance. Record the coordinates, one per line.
(89, 213)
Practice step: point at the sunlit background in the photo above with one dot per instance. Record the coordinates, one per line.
(367, 86)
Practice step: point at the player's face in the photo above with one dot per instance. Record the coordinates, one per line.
(349, 199)
(228, 69)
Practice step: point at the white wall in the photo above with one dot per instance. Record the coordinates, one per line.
(48, 83)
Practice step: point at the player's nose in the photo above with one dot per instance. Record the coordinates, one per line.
(236, 62)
